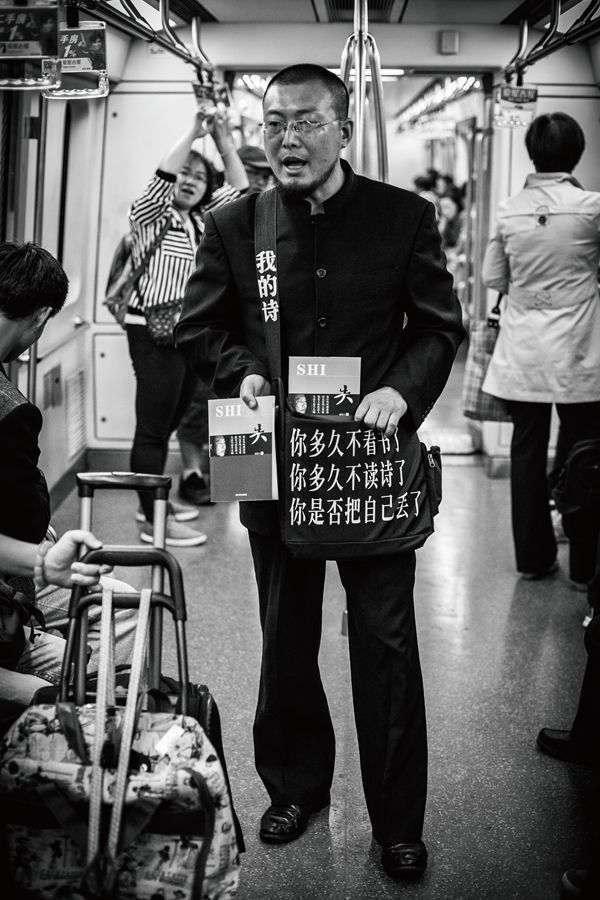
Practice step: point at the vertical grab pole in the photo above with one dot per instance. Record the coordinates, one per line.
(360, 82)
(375, 67)
(38, 223)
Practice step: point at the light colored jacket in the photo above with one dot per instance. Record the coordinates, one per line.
(544, 256)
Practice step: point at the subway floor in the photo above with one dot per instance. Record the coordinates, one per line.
(501, 658)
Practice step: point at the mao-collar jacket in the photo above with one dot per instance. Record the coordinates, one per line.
(367, 278)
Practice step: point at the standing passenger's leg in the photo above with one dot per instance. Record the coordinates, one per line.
(534, 539)
(293, 736)
(387, 690)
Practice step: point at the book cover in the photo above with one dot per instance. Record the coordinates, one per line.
(241, 441)
(324, 385)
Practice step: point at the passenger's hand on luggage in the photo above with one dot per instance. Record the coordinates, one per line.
(382, 409)
(254, 386)
(61, 565)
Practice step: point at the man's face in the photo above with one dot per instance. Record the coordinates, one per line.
(259, 179)
(190, 186)
(304, 163)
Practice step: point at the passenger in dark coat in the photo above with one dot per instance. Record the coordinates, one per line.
(356, 259)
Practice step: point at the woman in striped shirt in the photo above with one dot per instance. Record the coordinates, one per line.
(183, 185)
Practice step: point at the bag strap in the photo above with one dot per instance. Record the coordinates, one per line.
(150, 251)
(493, 319)
(101, 865)
(265, 248)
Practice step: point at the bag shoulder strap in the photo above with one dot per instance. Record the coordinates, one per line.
(267, 276)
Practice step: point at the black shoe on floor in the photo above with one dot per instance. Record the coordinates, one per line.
(194, 489)
(404, 861)
(561, 745)
(281, 824)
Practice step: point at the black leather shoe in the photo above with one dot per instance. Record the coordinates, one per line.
(561, 745)
(195, 490)
(403, 861)
(281, 824)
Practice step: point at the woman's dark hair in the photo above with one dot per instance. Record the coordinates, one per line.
(306, 73)
(211, 178)
(30, 279)
(555, 142)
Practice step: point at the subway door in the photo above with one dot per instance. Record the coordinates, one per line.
(141, 125)
(57, 204)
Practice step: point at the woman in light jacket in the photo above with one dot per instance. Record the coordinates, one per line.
(544, 258)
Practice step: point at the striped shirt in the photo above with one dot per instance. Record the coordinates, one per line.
(173, 261)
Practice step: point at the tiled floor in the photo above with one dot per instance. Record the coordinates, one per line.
(501, 658)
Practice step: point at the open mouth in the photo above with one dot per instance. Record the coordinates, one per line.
(293, 164)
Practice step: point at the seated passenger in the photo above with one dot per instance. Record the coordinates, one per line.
(33, 287)
(40, 659)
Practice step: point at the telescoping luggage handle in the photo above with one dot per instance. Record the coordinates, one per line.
(174, 603)
(159, 485)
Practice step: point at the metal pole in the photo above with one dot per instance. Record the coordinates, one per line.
(38, 223)
(360, 80)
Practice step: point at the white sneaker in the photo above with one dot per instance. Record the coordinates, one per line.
(180, 512)
(177, 534)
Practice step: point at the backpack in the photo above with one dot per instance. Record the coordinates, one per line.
(123, 277)
(578, 484)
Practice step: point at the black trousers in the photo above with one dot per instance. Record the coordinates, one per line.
(164, 387)
(535, 544)
(294, 741)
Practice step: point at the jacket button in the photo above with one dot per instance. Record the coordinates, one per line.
(321, 273)
(322, 322)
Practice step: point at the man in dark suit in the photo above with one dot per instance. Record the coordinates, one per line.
(361, 273)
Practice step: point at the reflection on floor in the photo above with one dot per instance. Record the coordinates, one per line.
(501, 658)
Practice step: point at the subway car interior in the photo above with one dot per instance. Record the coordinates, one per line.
(445, 86)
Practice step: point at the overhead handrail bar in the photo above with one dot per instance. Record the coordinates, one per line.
(511, 65)
(548, 35)
(166, 25)
(583, 29)
(359, 47)
(99, 9)
(196, 45)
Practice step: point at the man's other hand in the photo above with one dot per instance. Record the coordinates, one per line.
(254, 386)
(382, 409)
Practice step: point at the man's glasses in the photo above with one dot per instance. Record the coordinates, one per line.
(304, 127)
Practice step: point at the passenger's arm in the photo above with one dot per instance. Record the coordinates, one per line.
(433, 330)
(235, 173)
(59, 564)
(495, 272)
(175, 158)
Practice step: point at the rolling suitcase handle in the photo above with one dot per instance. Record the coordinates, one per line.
(173, 603)
(90, 482)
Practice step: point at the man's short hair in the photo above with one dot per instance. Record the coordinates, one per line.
(30, 279)
(555, 142)
(306, 73)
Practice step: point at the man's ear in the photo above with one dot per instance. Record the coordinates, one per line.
(347, 131)
(41, 316)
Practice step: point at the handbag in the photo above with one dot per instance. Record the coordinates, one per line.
(123, 277)
(345, 490)
(578, 484)
(161, 320)
(476, 403)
